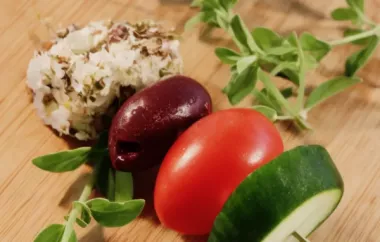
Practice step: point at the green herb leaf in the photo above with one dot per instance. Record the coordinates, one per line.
(79, 221)
(360, 58)
(310, 61)
(281, 50)
(85, 217)
(291, 39)
(266, 38)
(272, 90)
(227, 56)
(115, 214)
(263, 98)
(317, 48)
(288, 71)
(194, 20)
(245, 62)
(358, 4)
(228, 4)
(241, 85)
(343, 14)
(211, 4)
(350, 32)
(123, 186)
(246, 42)
(329, 89)
(54, 233)
(63, 161)
(268, 112)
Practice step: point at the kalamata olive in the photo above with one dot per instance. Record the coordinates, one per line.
(149, 122)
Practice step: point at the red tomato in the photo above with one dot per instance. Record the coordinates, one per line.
(207, 162)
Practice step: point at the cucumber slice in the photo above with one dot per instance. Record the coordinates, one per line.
(296, 191)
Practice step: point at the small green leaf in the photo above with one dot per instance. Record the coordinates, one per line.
(268, 112)
(317, 48)
(289, 71)
(272, 90)
(241, 85)
(264, 99)
(360, 58)
(245, 62)
(85, 218)
(79, 221)
(310, 61)
(54, 233)
(111, 185)
(63, 161)
(115, 214)
(266, 38)
(198, 18)
(123, 186)
(343, 14)
(281, 50)
(359, 4)
(228, 4)
(227, 56)
(211, 4)
(328, 89)
(350, 32)
(244, 38)
(85, 212)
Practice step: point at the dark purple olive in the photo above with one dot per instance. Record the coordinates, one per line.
(149, 122)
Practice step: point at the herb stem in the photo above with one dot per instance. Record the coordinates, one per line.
(302, 70)
(359, 36)
(76, 210)
(299, 237)
(284, 117)
(278, 96)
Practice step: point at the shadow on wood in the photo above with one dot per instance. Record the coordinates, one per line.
(295, 6)
(96, 234)
(74, 191)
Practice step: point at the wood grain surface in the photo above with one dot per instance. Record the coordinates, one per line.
(348, 125)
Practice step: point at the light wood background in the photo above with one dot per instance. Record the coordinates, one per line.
(348, 124)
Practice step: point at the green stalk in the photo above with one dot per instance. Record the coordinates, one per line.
(359, 36)
(277, 94)
(302, 68)
(76, 210)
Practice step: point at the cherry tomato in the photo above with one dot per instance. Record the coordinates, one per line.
(207, 163)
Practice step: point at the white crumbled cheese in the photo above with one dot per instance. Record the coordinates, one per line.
(77, 80)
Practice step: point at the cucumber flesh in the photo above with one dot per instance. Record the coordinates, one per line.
(295, 192)
(306, 217)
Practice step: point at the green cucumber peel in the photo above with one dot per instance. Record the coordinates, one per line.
(269, 201)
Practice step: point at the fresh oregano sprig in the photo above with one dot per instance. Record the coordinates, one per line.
(117, 210)
(263, 51)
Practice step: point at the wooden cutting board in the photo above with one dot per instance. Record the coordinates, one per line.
(348, 125)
